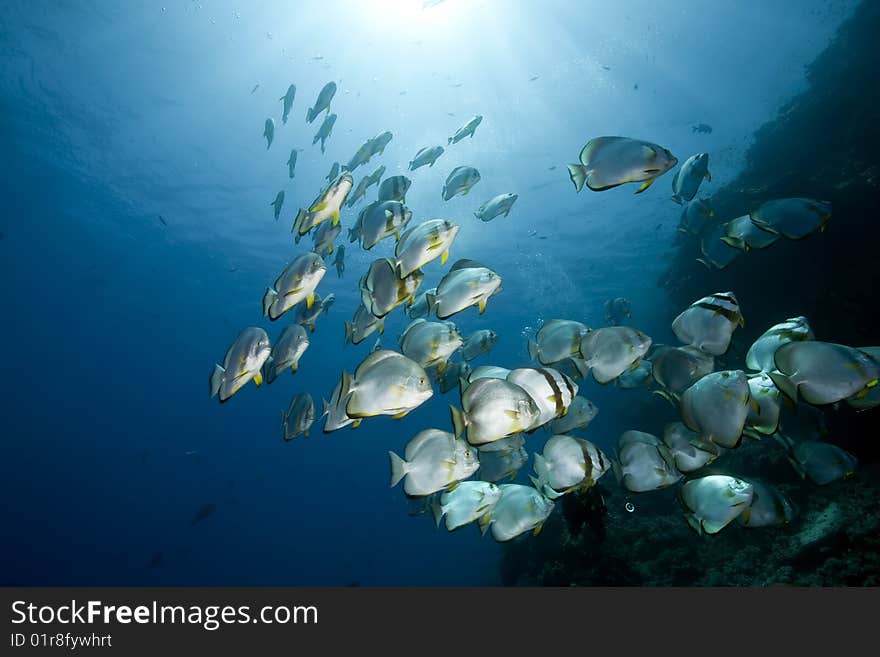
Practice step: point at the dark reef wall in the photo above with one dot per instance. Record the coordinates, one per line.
(824, 144)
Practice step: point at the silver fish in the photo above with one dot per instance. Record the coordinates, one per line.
(466, 284)
(712, 502)
(689, 451)
(382, 219)
(385, 383)
(469, 501)
(324, 131)
(617, 310)
(243, 361)
(286, 352)
(581, 412)
(557, 340)
(795, 218)
(424, 242)
(269, 132)
(322, 102)
(277, 203)
(769, 508)
(287, 99)
(299, 417)
(717, 407)
(496, 206)
(467, 129)
(493, 409)
(607, 162)
(433, 461)
(394, 189)
(382, 290)
(521, 509)
(823, 372)
(430, 344)
(362, 325)
(742, 233)
(608, 352)
(709, 323)
(821, 462)
(460, 181)
(687, 179)
(296, 283)
(478, 343)
(425, 156)
(760, 356)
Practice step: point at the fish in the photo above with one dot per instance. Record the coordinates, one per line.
(360, 191)
(617, 309)
(376, 176)
(256, 86)
(567, 464)
(394, 189)
(581, 412)
(760, 356)
(339, 260)
(426, 156)
(385, 383)
(742, 233)
(608, 352)
(334, 172)
(478, 343)
(823, 372)
(423, 243)
(794, 218)
(362, 325)
(533, 78)
(162, 221)
(286, 352)
(689, 451)
(716, 250)
(291, 164)
(204, 512)
(551, 390)
(277, 203)
(449, 377)
(502, 464)
(324, 131)
(269, 132)
(708, 324)
(324, 237)
(686, 182)
(466, 503)
(430, 344)
(322, 102)
(373, 146)
(334, 411)
(466, 284)
(607, 162)
(306, 317)
(557, 340)
(493, 409)
(483, 372)
(643, 463)
(717, 407)
(861, 401)
(243, 362)
(299, 417)
(638, 376)
(703, 128)
(676, 369)
(296, 283)
(460, 181)
(713, 502)
(820, 462)
(694, 216)
(326, 206)
(467, 129)
(497, 205)
(419, 307)
(519, 510)
(433, 461)
(769, 507)
(287, 99)
(382, 290)
(382, 219)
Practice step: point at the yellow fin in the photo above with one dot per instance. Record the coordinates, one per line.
(444, 257)
(330, 249)
(512, 414)
(294, 367)
(335, 216)
(318, 207)
(356, 424)
(708, 176)
(482, 305)
(645, 185)
(258, 379)
(441, 366)
(310, 300)
(537, 529)
(872, 383)
(399, 415)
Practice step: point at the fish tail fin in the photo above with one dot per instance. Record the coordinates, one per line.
(437, 510)
(345, 389)
(449, 141)
(785, 384)
(735, 243)
(268, 299)
(459, 421)
(578, 174)
(399, 468)
(615, 467)
(677, 199)
(462, 385)
(216, 379)
(349, 332)
(310, 115)
(668, 396)
(326, 410)
(431, 300)
(315, 140)
(484, 522)
(582, 366)
(533, 349)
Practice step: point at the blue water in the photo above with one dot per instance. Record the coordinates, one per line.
(114, 114)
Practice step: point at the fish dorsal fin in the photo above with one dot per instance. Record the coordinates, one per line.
(592, 148)
(464, 263)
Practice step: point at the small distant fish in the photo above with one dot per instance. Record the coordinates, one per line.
(155, 560)
(191, 452)
(318, 58)
(277, 203)
(430, 3)
(162, 220)
(467, 129)
(456, 85)
(323, 101)
(256, 86)
(636, 86)
(553, 168)
(703, 128)
(203, 513)
(607, 68)
(269, 132)
(287, 99)
(533, 78)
